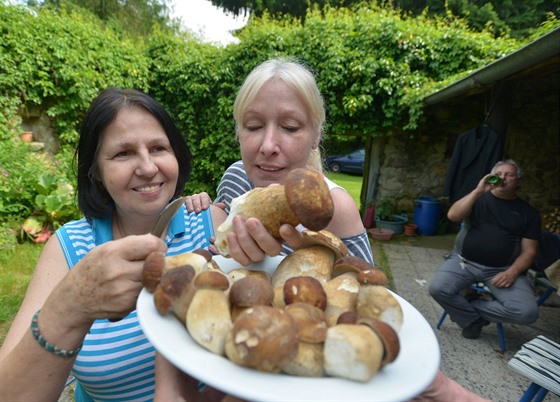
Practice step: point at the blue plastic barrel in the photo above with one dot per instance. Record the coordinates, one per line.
(426, 215)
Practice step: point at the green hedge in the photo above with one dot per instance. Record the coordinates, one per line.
(373, 66)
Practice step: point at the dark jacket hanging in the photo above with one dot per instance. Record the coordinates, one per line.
(475, 153)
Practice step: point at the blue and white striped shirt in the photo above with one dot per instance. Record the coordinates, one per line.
(235, 182)
(116, 362)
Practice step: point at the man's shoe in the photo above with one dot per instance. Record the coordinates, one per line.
(473, 330)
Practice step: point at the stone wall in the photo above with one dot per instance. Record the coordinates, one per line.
(412, 168)
(43, 129)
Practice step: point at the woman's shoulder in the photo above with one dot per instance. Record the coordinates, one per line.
(82, 222)
(342, 198)
(233, 183)
(236, 169)
(346, 220)
(75, 226)
(332, 185)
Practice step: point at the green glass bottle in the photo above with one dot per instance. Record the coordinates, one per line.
(494, 179)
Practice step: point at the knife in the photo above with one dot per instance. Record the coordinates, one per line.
(165, 216)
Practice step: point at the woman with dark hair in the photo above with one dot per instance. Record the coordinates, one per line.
(92, 196)
(81, 300)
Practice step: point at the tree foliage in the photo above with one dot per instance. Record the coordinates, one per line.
(501, 17)
(296, 8)
(517, 18)
(373, 63)
(56, 62)
(134, 16)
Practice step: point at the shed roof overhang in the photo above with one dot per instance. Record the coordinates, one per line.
(535, 56)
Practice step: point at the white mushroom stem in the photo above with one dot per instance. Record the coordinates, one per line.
(208, 318)
(353, 352)
(309, 361)
(377, 301)
(342, 293)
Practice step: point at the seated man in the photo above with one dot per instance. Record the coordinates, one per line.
(497, 243)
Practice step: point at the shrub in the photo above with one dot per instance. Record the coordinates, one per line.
(34, 186)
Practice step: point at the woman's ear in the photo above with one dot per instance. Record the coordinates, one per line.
(315, 143)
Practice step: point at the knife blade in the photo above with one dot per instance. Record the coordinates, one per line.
(165, 216)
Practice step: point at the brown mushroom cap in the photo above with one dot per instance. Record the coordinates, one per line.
(171, 286)
(309, 198)
(348, 317)
(196, 260)
(351, 263)
(203, 252)
(372, 277)
(211, 279)
(387, 335)
(153, 270)
(305, 289)
(264, 338)
(323, 238)
(316, 262)
(250, 291)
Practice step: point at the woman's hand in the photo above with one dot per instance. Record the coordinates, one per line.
(174, 385)
(251, 242)
(107, 281)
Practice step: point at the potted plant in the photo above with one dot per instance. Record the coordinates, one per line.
(26, 136)
(387, 216)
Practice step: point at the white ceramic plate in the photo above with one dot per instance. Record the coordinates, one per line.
(412, 371)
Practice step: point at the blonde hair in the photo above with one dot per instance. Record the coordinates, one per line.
(301, 79)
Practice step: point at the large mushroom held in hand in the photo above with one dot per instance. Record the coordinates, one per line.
(303, 198)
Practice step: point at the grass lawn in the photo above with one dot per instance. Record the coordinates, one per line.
(352, 184)
(17, 267)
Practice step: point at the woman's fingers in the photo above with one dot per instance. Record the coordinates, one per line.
(251, 242)
(242, 246)
(268, 244)
(291, 235)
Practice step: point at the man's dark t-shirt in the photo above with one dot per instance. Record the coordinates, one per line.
(495, 229)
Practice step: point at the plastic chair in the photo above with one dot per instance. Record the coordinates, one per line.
(541, 280)
(539, 361)
(480, 288)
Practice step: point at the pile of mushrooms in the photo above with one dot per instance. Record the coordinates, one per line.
(321, 313)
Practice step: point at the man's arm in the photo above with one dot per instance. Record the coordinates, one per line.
(522, 263)
(463, 207)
